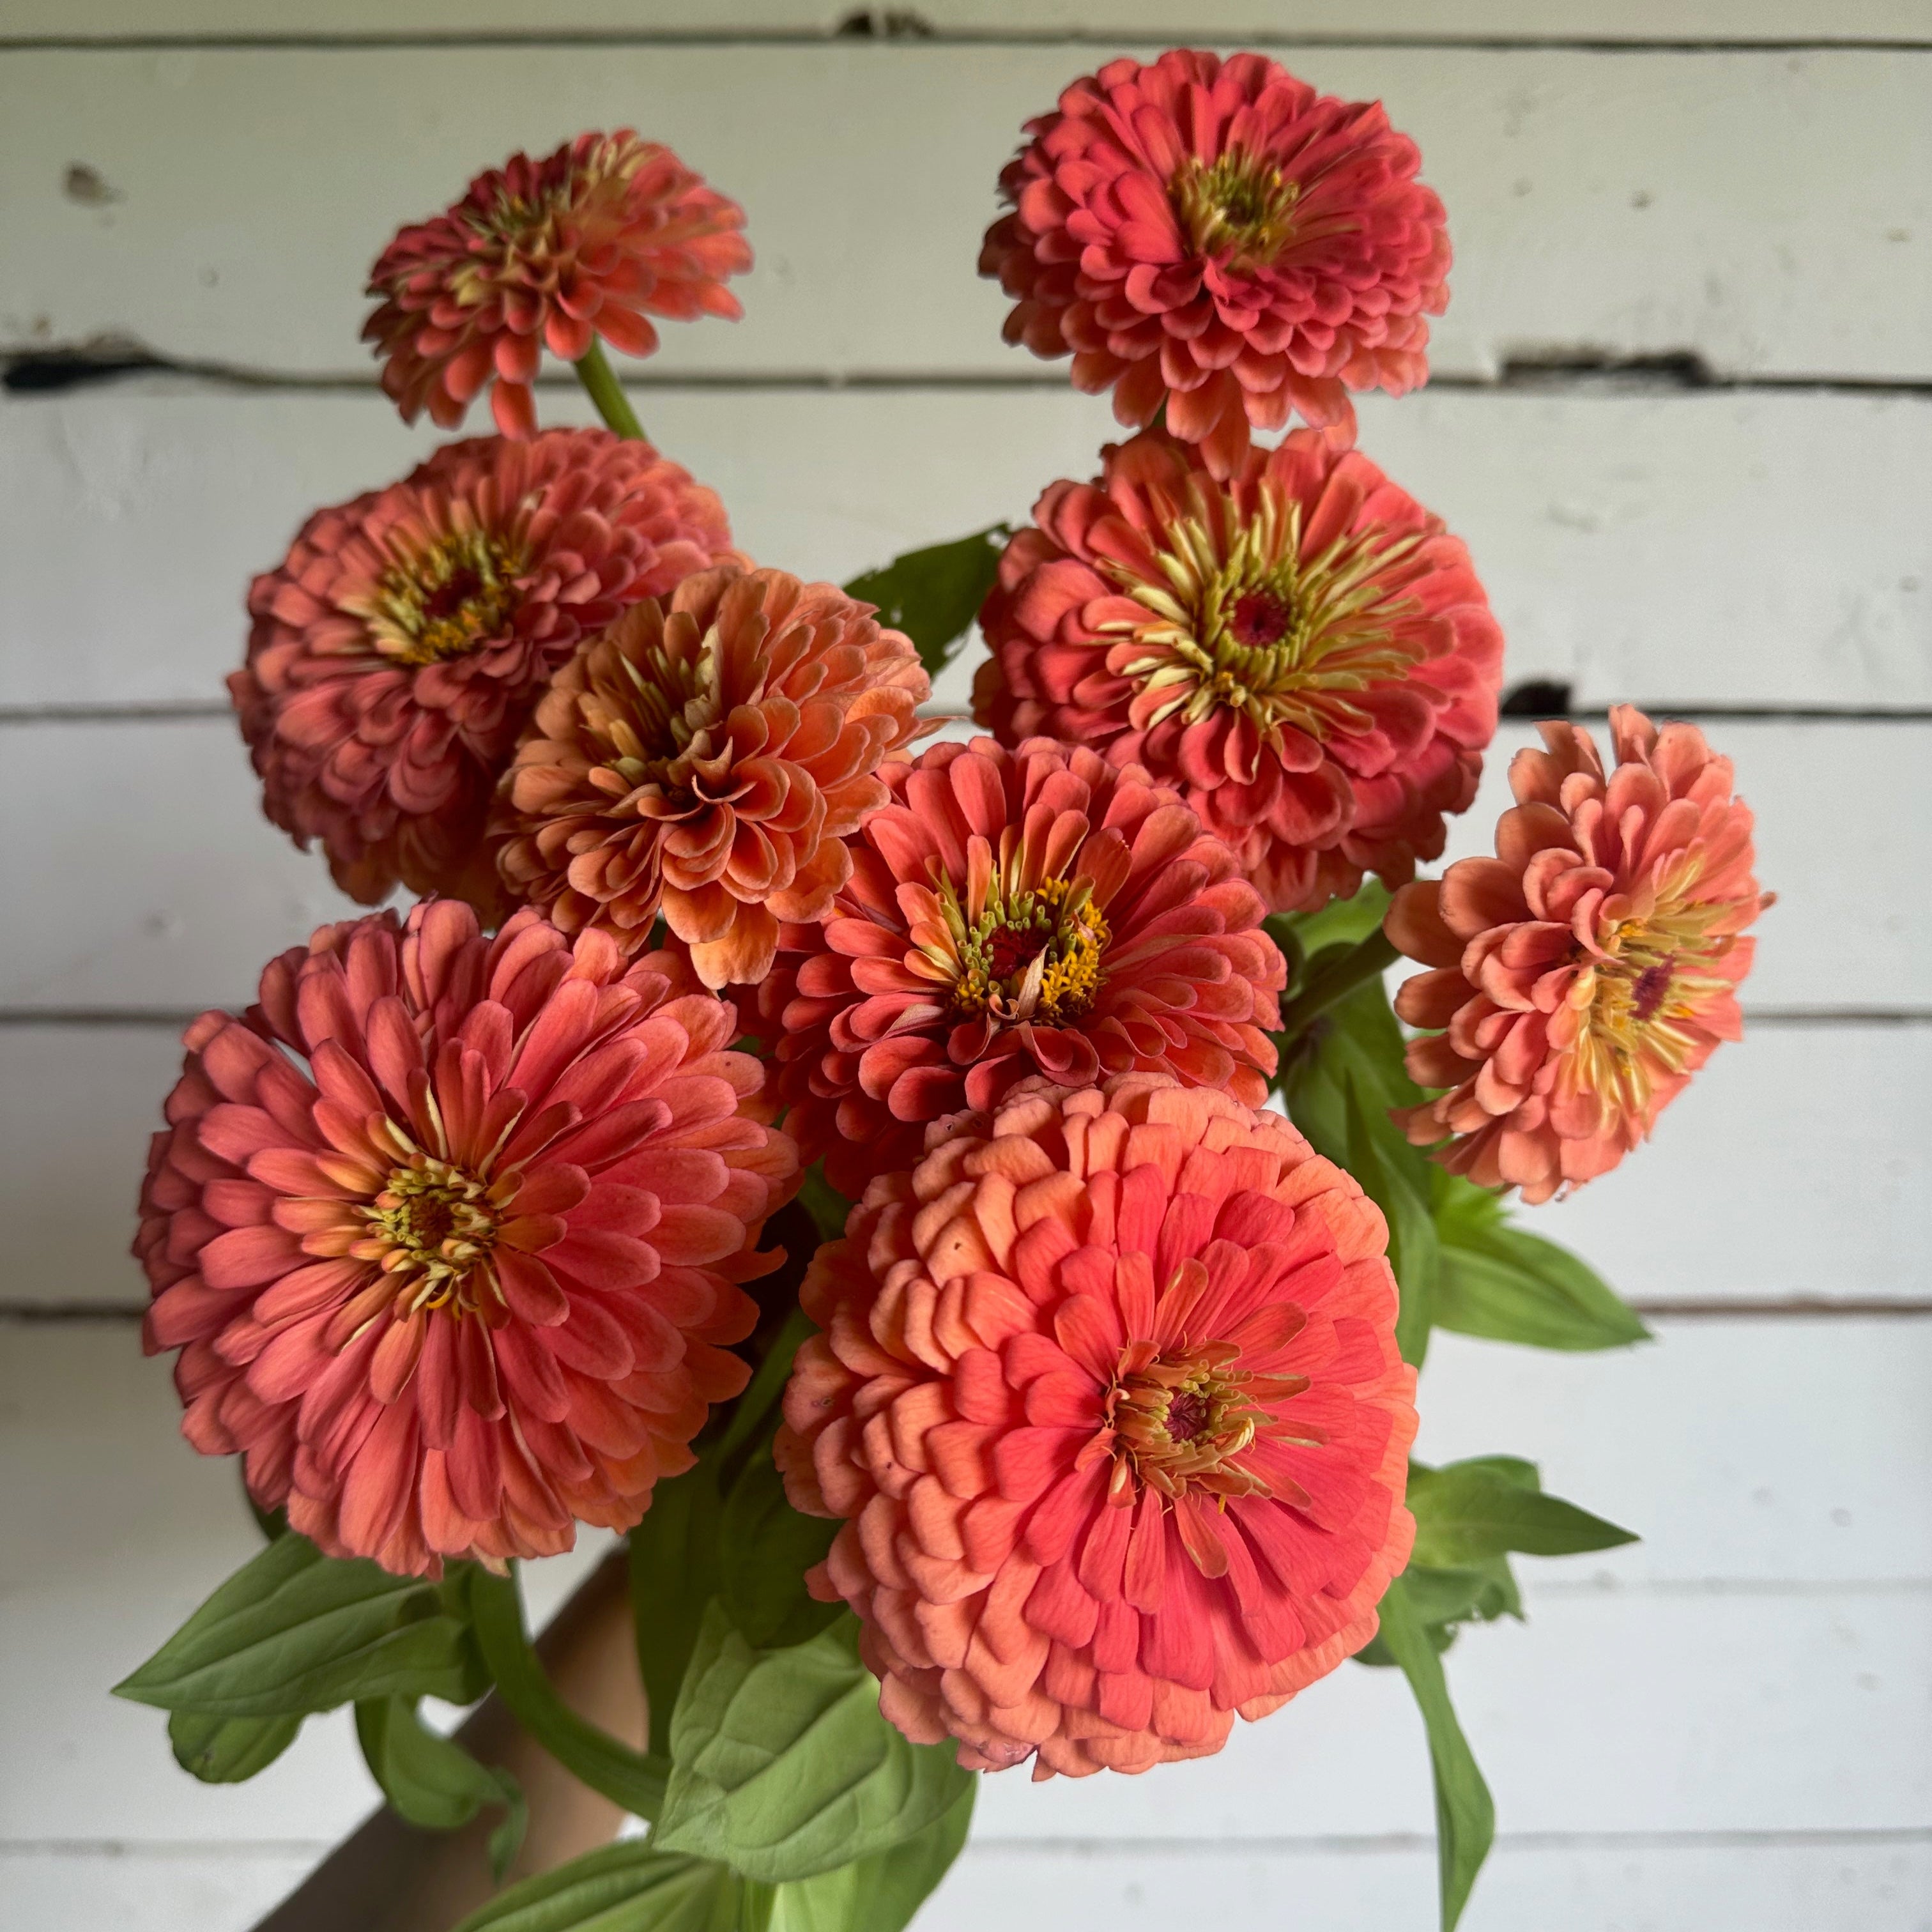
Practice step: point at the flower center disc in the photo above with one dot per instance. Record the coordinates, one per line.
(446, 601)
(1182, 1425)
(1035, 957)
(433, 1229)
(1239, 208)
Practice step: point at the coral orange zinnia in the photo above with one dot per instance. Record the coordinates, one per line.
(1303, 651)
(1583, 974)
(548, 254)
(1109, 1396)
(1214, 236)
(397, 651)
(448, 1231)
(1011, 913)
(710, 754)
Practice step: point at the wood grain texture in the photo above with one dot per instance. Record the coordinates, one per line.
(1730, 1677)
(1748, 549)
(175, 892)
(1595, 21)
(1646, 204)
(1738, 1199)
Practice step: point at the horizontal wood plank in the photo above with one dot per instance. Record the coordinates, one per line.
(1543, 21)
(1646, 204)
(1739, 1198)
(1730, 549)
(175, 892)
(1744, 1706)
(1851, 1882)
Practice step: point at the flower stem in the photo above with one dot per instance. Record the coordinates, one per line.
(1367, 960)
(600, 382)
(623, 1775)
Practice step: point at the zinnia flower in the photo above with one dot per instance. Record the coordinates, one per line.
(1109, 1396)
(548, 254)
(1585, 972)
(1214, 235)
(1011, 913)
(1303, 651)
(397, 651)
(448, 1231)
(711, 756)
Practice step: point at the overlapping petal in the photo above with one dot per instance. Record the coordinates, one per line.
(1583, 974)
(1214, 237)
(709, 755)
(1303, 652)
(396, 651)
(1108, 1396)
(1010, 913)
(448, 1231)
(548, 254)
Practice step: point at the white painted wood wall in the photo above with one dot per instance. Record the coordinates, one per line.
(1725, 1726)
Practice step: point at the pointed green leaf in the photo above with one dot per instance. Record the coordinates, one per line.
(1341, 921)
(432, 1782)
(228, 1750)
(1506, 1286)
(933, 595)
(628, 1887)
(766, 1547)
(674, 1557)
(294, 1631)
(1465, 1512)
(1465, 1816)
(880, 1894)
(783, 1766)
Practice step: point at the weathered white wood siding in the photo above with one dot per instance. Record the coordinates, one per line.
(1725, 1724)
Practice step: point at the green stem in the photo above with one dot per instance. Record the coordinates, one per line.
(1366, 960)
(622, 1775)
(600, 382)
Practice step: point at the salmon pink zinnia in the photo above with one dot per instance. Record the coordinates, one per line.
(1583, 974)
(1215, 236)
(1303, 651)
(1109, 1397)
(396, 650)
(710, 755)
(449, 1230)
(548, 254)
(1011, 913)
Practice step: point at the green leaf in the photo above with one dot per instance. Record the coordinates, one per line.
(1413, 1252)
(432, 1781)
(880, 1894)
(627, 1887)
(1506, 1286)
(295, 1631)
(674, 1575)
(765, 1549)
(1466, 1816)
(1341, 921)
(228, 1750)
(624, 1776)
(783, 1766)
(1467, 1511)
(933, 595)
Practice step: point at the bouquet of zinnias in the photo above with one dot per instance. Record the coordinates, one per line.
(969, 1214)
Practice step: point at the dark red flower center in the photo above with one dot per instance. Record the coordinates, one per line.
(1187, 1415)
(449, 600)
(1653, 983)
(432, 1230)
(1260, 617)
(1237, 209)
(1012, 948)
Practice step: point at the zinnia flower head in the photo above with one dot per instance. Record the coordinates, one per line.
(1214, 235)
(396, 650)
(448, 1231)
(1583, 974)
(1011, 913)
(710, 755)
(550, 254)
(1109, 1396)
(1303, 651)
